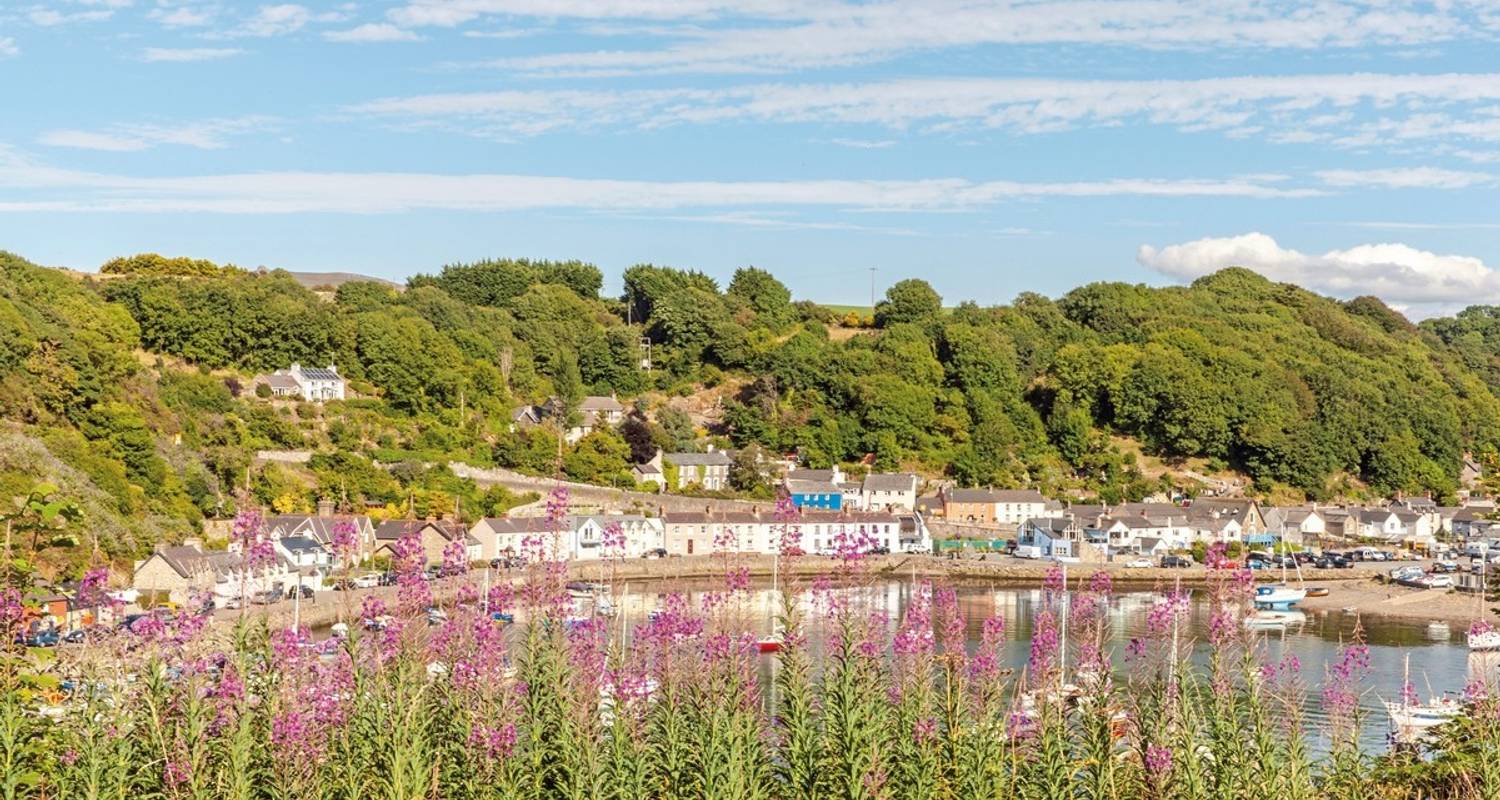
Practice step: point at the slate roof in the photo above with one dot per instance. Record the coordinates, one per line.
(996, 496)
(1050, 524)
(598, 403)
(716, 458)
(300, 544)
(394, 529)
(188, 561)
(318, 528)
(285, 382)
(818, 475)
(794, 486)
(890, 482)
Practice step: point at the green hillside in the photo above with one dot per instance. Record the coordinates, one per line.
(128, 389)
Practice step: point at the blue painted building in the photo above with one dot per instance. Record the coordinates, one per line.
(815, 495)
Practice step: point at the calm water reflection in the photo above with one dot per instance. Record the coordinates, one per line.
(1440, 660)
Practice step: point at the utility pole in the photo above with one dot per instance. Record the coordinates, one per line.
(872, 290)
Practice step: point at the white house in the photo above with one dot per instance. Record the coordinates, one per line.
(703, 532)
(640, 534)
(316, 384)
(888, 491)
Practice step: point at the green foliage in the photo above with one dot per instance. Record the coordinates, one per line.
(159, 265)
(910, 300)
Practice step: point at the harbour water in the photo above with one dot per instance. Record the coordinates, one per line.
(1439, 656)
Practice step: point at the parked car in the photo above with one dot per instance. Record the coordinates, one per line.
(387, 579)
(880, 550)
(45, 637)
(1139, 563)
(266, 598)
(655, 552)
(1176, 562)
(305, 591)
(1303, 557)
(1444, 566)
(369, 581)
(76, 636)
(1333, 561)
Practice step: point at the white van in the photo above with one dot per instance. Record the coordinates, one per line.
(1028, 551)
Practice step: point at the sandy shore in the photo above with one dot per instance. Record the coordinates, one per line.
(1370, 598)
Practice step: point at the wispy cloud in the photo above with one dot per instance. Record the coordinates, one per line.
(183, 16)
(1406, 178)
(863, 144)
(774, 36)
(385, 192)
(204, 135)
(372, 32)
(50, 17)
(1397, 272)
(8, 47)
(1306, 108)
(188, 54)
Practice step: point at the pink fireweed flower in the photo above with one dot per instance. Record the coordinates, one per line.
(914, 638)
(985, 664)
(612, 540)
(1158, 760)
(345, 541)
(737, 579)
(1019, 725)
(1046, 645)
(1054, 581)
(1344, 683)
(1165, 613)
(455, 558)
(1480, 627)
(93, 590)
(950, 622)
(493, 743)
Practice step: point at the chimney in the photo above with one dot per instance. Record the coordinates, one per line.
(325, 507)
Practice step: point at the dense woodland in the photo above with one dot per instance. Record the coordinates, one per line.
(128, 388)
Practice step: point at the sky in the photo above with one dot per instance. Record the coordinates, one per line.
(990, 148)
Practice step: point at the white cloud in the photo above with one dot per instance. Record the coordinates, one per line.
(187, 54)
(1405, 178)
(8, 47)
(863, 144)
(1397, 272)
(276, 20)
(341, 192)
(1285, 108)
(182, 17)
(737, 36)
(204, 135)
(47, 17)
(372, 32)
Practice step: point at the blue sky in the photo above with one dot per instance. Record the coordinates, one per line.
(989, 147)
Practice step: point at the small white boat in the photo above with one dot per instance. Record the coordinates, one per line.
(1424, 715)
(1278, 597)
(1274, 620)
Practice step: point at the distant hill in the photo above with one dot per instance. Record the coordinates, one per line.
(129, 388)
(313, 280)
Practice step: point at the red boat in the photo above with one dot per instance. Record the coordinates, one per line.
(769, 645)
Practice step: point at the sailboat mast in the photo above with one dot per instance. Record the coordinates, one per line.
(1062, 653)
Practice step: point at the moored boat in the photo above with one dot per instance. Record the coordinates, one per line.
(1278, 597)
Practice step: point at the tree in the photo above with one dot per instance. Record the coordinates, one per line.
(747, 469)
(600, 457)
(911, 300)
(678, 431)
(767, 297)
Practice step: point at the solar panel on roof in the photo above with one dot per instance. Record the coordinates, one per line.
(319, 374)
